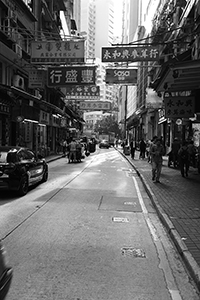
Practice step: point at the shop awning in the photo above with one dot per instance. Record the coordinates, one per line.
(183, 76)
(24, 94)
(179, 74)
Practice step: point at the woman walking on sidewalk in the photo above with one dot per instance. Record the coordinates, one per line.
(157, 152)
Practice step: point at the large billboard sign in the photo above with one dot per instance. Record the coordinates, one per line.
(95, 105)
(65, 76)
(121, 76)
(179, 107)
(129, 54)
(83, 92)
(57, 52)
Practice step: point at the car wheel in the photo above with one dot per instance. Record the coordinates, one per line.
(23, 188)
(45, 175)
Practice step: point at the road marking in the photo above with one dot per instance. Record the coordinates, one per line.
(164, 265)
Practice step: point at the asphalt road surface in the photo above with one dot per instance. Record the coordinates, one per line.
(90, 232)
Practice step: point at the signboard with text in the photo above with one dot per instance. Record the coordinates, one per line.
(95, 105)
(129, 54)
(65, 76)
(121, 76)
(83, 92)
(36, 79)
(57, 52)
(179, 107)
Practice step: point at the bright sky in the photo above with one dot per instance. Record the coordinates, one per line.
(118, 17)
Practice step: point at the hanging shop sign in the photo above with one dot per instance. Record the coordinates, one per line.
(95, 105)
(129, 54)
(64, 76)
(121, 76)
(44, 118)
(83, 92)
(36, 79)
(179, 107)
(4, 109)
(57, 52)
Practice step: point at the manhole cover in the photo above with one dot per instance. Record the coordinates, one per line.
(120, 220)
(133, 252)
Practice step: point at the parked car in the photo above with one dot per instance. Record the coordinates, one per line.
(6, 272)
(104, 144)
(21, 168)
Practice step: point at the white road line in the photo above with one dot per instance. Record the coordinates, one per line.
(164, 265)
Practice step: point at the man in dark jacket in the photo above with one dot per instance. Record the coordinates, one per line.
(142, 149)
(157, 152)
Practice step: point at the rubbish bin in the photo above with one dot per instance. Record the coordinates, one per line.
(91, 147)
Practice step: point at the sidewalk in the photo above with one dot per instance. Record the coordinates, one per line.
(177, 202)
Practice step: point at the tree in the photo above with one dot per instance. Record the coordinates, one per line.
(106, 125)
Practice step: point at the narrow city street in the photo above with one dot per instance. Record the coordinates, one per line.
(90, 232)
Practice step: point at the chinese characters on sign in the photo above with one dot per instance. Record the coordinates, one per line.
(57, 52)
(83, 92)
(95, 105)
(179, 107)
(63, 76)
(117, 76)
(36, 79)
(129, 53)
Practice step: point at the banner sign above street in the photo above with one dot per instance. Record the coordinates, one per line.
(65, 76)
(179, 107)
(57, 52)
(129, 54)
(121, 76)
(83, 92)
(95, 105)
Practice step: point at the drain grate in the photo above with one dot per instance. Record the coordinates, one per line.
(130, 203)
(130, 251)
(120, 220)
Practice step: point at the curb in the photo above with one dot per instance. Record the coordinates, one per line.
(191, 265)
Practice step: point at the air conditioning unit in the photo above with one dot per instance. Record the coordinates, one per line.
(18, 81)
(18, 50)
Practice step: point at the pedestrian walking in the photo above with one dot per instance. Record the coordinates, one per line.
(64, 147)
(175, 148)
(132, 146)
(142, 146)
(192, 153)
(72, 151)
(184, 159)
(157, 152)
(150, 147)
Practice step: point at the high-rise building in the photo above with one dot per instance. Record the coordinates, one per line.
(100, 30)
(99, 33)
